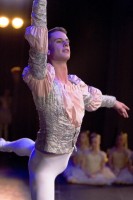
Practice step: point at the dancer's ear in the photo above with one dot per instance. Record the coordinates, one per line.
(48, 52)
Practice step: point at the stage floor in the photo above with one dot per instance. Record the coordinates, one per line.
(80, 192)
(14, 186)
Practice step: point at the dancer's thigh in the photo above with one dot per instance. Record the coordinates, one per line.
(43, 169)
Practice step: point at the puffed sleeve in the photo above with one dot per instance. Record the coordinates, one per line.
(40, 87)
(92, 97)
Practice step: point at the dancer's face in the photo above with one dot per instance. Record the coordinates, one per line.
(59, 48)
(83, 138)
(95, 142)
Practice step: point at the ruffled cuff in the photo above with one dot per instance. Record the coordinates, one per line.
(108, 101)
(94, 100)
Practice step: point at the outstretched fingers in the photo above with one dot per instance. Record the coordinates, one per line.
(124, 111)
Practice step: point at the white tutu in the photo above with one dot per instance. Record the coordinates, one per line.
(124, 177)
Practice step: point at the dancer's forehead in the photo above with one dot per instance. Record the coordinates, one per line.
(58, 35)
(61, 29)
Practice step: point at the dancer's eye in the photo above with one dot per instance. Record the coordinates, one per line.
(59, 41)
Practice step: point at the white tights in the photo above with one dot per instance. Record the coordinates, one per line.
(43, 169)
(22, 147)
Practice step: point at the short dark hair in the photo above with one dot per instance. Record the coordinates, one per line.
(61, 29)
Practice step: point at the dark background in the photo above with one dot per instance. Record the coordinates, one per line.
(101, 35)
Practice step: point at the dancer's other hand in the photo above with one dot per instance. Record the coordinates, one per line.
(121, 108)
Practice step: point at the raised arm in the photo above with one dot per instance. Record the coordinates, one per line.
(37, 36)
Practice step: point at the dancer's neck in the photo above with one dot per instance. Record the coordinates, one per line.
(61, 71)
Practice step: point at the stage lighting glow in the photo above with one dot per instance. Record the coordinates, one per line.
(17, 23)
(4, 21)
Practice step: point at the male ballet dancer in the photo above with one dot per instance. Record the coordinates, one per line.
(60, 99)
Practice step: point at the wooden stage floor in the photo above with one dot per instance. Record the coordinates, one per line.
(14, 186)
